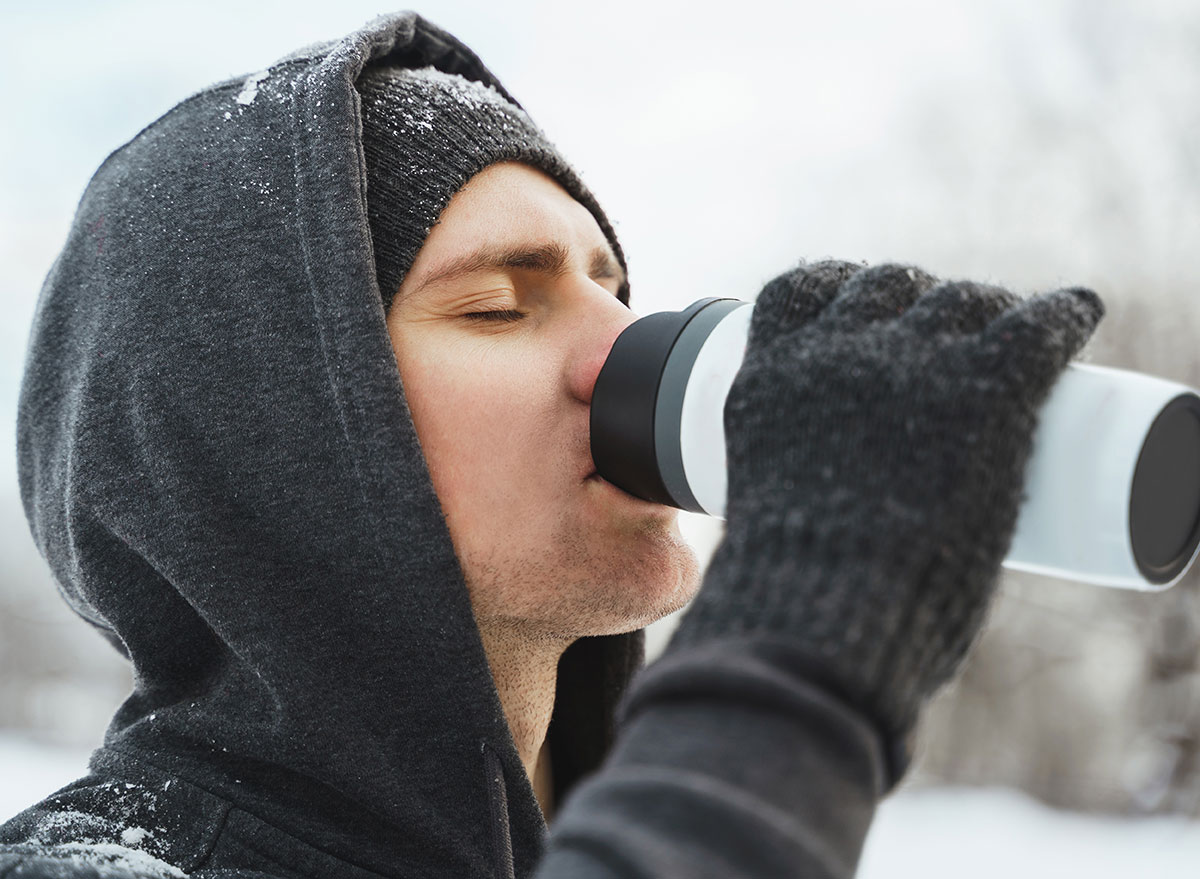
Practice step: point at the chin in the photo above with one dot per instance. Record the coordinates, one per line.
(574, 582)
(650, 588)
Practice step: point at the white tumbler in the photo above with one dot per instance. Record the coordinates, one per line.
(1112, 487)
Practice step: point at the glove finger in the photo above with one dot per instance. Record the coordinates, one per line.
(796, 297)
(959, 307)
(1038, 338)
(877, 293)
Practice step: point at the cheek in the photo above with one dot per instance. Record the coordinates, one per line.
(480, 420)
(454, 415)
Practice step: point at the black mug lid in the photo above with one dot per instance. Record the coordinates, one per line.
(624, 400)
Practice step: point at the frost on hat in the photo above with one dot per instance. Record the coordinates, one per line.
(425, 134)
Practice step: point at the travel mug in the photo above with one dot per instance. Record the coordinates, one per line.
(1112, 487)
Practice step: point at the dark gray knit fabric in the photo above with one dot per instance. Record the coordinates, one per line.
(426, 133)
(877, 435)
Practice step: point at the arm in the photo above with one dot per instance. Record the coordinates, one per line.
(731, 762)
(876, 435)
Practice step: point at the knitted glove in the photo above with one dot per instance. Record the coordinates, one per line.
(877, 434)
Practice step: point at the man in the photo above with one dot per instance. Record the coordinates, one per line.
(304, 434)
(498, 365)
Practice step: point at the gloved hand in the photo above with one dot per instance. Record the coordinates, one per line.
(877, 434)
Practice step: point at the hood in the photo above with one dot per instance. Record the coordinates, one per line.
(217, 461)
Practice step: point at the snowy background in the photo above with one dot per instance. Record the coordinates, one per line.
(1032, 144)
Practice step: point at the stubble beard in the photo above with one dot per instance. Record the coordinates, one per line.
(579, 587)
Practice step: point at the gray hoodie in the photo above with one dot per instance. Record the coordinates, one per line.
(218, 463)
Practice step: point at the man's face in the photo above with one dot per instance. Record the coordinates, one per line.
(501, 406)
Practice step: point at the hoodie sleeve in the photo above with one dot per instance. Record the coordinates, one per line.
(730, 762)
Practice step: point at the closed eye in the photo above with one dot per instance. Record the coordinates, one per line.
(505, 314)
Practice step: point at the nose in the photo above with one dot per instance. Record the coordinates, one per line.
(605, 319)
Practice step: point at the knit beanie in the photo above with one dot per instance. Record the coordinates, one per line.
(425, 134)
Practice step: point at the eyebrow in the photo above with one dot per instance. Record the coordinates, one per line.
(552, 259)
